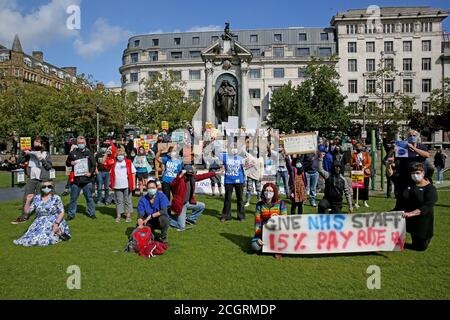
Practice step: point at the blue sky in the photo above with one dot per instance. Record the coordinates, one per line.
(96, 48)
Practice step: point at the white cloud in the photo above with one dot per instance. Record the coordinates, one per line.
(113, 84)
(210, 27)
(102, 37)
(45, 24)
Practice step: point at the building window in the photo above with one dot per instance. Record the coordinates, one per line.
(214, 39)
(352, 29)
(426, 107)
(303, 52)
(153, 55)
(353, 106)
(370, 46)
(426, 64)
(236, 37)
(407, 86)
(4, 57)
(407, 27)
(134, 58)
(195, 54)
(352, 86)
(194, 94)
(255, 73)
(153, 75)
(426, 85)
(407, 46)
(256, 53)
(278, 52)
(370, 86)
(137, 43)
(155, 42)
(255, 93)
(176, 55)
(370, 65)
(177, 41)
(324, 36)
(407, 64)
(426, 45)
(176, 75)
(302, 72)
(27, 61)
(371, 107)
(427, 27)
(352, 65)
(302, 37)
(389, 105)
(388, 28)
(278, 72)
(389, 64)
(324, 52)
(388, 47)
(278, 37)
(194, 75)
(389, 86)
(134, 77)
(352, 47)
(195, 41)
(254, 38)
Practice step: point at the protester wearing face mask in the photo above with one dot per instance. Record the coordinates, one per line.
(439, 163)
(417, 201)
(143, 169)
(297, 184)
(362, 161)
(153, 211)
(234, 180)
(269, 206)
(335, 187)
(172, 167)
(49, 227)
(338, 156)
(103, 177)
(83, 165)
(123, 177)
(38, 168)
(184, 198)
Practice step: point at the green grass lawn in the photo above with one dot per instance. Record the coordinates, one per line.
(5, 178)
(212, 261)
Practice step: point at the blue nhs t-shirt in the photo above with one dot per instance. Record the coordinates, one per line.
(234, 172)
(172, 169)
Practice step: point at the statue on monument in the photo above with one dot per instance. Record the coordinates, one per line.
(226, 101)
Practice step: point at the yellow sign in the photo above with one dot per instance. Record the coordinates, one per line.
(208, 125)
(25, 143)
(358, 179)
(165, 125)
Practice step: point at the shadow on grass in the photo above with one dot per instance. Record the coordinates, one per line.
(242, 242)
(107, 211)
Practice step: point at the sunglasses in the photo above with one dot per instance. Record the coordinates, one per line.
(47, 186)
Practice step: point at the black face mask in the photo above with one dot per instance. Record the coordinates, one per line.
(37, 148)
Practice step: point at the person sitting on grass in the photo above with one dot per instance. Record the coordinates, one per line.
(152, 211)
(269, 206)
(335, 187)
(417, 200)
(184, 198)
(49, 227)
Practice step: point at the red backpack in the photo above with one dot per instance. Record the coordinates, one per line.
(141, 240)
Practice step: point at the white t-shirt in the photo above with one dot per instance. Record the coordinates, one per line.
(121, 179)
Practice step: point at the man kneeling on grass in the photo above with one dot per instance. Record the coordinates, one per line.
(152, 211)
(184, 198)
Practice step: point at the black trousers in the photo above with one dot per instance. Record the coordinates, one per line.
(363, 193)
(166, 189)
(324, 205)
(161, 223)
(298, 206)
(390, 184)
(418, 244)
(239, 189)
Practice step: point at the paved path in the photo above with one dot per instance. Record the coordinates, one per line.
(11, 194)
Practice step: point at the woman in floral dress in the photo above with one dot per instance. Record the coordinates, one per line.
(49, 227)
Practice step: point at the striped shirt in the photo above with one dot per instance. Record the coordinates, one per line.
(264, 212)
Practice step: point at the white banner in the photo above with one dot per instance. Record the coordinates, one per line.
(303, 143)
(335, 233)
(204, 187)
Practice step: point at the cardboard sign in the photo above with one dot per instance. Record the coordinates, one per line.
(357, 179)
(52, 174)
(165, 125)
(178, 137)
(81, 167)
(402, 150)
(25, 144)
(204, 186)
(335, 233)
(303, 143)
(164, 147)
(208, 125)
(21, 176)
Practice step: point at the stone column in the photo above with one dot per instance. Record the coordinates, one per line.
(244, 95)
(209, 92)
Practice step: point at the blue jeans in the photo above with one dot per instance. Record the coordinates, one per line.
(285, 176)
(440, 173)
(103, 181)
(311, 186)
(75, 193)
(180, 222)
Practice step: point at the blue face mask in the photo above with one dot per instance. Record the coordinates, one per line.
(152, 192)
(299, 165)
(412, 139)
(120, 158)
(81, 146)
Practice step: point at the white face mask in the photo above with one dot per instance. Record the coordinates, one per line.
(173, 155)
(269, 195)
(234, 151)
(417, 177)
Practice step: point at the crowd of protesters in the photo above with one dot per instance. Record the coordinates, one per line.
(166, 184)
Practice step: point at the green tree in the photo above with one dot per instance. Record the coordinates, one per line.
(440, 106)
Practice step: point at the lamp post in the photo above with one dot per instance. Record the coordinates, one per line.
(363, 102)
(98, 126)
